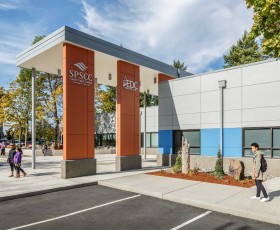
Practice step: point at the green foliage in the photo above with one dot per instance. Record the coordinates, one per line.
(106, 98)
(245, 51)
(219, 171)
(177, 64)
(266, 24)
(178, 164)
(151, 100)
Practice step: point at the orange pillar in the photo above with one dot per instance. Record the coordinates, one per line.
(128, 115)
(78, 112)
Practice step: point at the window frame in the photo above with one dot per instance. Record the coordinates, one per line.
(271, 148)
(142, 140)
(187, 130)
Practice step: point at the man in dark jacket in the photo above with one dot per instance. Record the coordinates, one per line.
(10, 159)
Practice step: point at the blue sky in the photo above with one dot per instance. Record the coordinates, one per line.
(197, 32)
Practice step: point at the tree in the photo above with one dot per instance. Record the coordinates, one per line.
(177, 64)
(266, 24)
(151, 100)
(107, 98)
(245, 51)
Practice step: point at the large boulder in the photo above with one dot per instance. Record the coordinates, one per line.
(236, 169)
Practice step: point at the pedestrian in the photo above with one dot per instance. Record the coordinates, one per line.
(258, 174)
(3, 149)
(45, 149)
(17, 162)
(10, 159)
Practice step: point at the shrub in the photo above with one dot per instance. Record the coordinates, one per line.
(219, 171)
(178, 164)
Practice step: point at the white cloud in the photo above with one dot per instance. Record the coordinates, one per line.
(196, 32)
(10, 5)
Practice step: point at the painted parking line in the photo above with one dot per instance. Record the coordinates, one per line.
(190, 221)
(74, 213)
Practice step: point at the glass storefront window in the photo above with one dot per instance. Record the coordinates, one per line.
(260, 136)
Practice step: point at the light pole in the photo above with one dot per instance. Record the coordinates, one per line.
(222, 85)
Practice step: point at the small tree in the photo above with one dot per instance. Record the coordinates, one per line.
(219, 171)
(178, 164)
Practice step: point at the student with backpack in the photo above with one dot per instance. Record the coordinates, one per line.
(258, 169)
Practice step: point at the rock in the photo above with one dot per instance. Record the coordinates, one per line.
(236, 169)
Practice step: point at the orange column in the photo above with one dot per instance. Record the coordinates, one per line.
(78, 103)
(128, 109)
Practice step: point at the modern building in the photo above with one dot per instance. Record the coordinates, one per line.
(224, 110)
(250, 112)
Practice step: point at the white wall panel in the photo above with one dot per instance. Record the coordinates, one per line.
(261, 114)
(186, 86)
(187, 104)
(210, 101)
(232, 98)
(210, 118)
(261, 73)
(209, 81)
(267, 94)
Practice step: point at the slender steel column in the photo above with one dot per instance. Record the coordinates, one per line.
(222, 85)
(33, 118)
(145, 124)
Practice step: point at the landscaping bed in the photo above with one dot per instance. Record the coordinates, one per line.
(207, 177)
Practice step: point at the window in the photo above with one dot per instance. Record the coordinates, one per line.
(151, 140)
(267, 138)
(193, 137)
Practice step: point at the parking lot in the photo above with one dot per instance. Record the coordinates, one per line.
(98, 207)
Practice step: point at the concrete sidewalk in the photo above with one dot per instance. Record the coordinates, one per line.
(220, 198)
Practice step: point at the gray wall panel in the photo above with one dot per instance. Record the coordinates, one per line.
(165, 89)
(166, 106)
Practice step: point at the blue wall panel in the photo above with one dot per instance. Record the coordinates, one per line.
(165, 142)
(233, 142)
(210, 142)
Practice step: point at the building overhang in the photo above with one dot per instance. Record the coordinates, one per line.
(46, 56)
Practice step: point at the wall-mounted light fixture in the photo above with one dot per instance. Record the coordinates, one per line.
(155, 80)
(148, 92)
(59, 72)
(95, 80)
(110, 76)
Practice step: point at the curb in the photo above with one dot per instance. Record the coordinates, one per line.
(23, 195)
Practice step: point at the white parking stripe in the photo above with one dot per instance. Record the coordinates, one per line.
(74, 213)
(190, 221)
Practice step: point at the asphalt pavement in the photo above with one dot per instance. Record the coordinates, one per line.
(98, 207)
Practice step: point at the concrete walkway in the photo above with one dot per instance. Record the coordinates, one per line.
(220, 198)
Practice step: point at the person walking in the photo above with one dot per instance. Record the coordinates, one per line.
(3, 149)
(258, 174)
(10, 159)
(17, 162)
